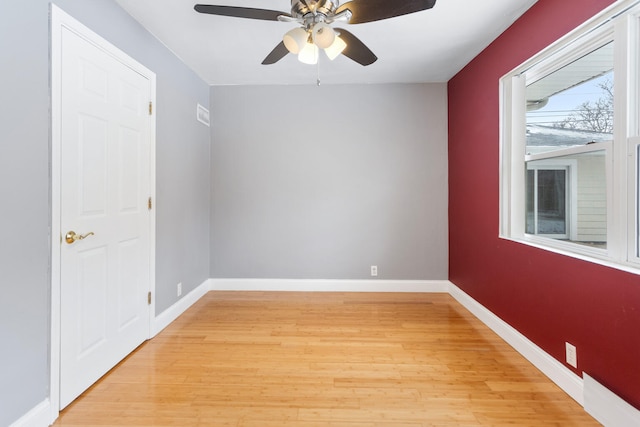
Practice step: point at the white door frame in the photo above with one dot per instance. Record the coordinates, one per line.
(59, 21)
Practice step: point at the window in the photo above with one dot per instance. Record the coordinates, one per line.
(570, 146)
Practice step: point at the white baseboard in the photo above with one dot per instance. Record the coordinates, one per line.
(294, 285)
(38, 416)
(571, 383)
(606, 407)
(165, 318)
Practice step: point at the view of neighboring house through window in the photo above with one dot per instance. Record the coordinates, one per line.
(570, 143)
(569, 117)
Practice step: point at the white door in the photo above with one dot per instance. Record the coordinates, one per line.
(104, 191)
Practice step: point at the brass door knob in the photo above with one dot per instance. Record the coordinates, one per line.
(71, 236)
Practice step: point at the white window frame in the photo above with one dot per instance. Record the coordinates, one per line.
(619, 23)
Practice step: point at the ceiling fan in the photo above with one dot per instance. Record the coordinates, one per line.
(315, 33)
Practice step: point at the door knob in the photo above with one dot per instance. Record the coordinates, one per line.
(71, 236)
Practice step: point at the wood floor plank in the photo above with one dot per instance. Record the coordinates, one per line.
(325, 359)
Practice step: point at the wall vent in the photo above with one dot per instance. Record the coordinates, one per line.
(202, 114)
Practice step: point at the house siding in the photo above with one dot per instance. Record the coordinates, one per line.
(592, 200)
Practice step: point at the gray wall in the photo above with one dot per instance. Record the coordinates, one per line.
(323, 182)
(24, 207)
(183, 187)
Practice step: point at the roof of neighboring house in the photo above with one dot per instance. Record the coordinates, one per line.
(549, 136)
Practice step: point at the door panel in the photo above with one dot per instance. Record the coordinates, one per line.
(129, 151)
(128, 282)
(92, 312)
(92, 149)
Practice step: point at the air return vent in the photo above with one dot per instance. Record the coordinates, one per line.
(202, 114)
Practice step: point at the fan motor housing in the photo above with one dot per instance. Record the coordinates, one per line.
(299, 9)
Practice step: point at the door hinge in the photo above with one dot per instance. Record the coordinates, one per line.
(149, 298)
(149, 203)
(150, 108)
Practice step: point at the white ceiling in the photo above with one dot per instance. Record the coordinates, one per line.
(428, 46)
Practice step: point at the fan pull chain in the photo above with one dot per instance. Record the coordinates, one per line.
(318, 71)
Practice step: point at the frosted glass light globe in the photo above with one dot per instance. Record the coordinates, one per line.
(323, 35)
(309, 54)
(336, 48)
(295, 40)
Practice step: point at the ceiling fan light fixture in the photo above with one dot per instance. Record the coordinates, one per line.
(309, 54)
(295, 40)
(336, 48)
(323, 35)
(315, 17)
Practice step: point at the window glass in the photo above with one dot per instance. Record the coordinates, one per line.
(547, 213)
(637, 201)
(573, 105)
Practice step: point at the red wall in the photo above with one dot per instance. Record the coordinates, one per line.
(548, 297)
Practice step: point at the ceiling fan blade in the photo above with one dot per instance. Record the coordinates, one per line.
(276, 54)
(375, 10)
(240, 12)
(356, 50)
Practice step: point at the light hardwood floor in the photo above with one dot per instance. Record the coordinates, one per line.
(325, 359)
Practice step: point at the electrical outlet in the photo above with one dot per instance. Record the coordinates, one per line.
(374, 270)
(572, 355)
(179, 288)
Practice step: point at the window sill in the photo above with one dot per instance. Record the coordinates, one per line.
(592, 255)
